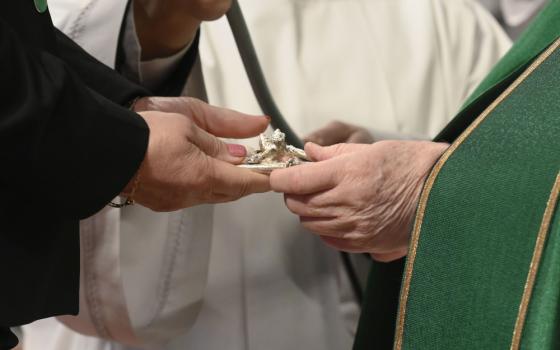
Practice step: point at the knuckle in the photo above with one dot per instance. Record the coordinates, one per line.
(216, 146)
(202, 175)
(311, 227)
(190, 101)
(336, 124)
(190, 129)
(244, 189)
(338, 148)
(298, 182)
(292, 205)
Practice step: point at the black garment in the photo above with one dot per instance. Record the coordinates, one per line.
(65, 151)
(7, 339)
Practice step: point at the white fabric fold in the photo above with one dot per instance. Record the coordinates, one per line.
(518, 12)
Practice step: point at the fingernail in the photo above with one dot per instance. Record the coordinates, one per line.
(236, 150)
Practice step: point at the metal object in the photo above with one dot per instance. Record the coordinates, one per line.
(274, 153)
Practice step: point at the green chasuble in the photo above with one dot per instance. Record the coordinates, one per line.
(483, 269)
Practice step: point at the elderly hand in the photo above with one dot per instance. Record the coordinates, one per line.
(339, 132)
(360, 198)
(186, 164)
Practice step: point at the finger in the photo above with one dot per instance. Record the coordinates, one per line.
(316, 205)
(360, 136)
(345, 245)
(304, 179)
(388, 257)
(216, 148)
(226, 122)
(332, 133)
(318, 153)
(328, 226)
(230, 182)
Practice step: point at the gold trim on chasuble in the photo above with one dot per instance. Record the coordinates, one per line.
(539, 245)
(535, 261)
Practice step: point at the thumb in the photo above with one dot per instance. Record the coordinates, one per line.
(334, 132)
(226, 122)
(216, 148)
(317, 153)
(231, 182)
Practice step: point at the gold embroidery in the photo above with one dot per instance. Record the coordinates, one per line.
(431, 180)
(535, 262)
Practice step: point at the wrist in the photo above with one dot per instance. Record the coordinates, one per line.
(132, 186)
(141, 104)
(128, 192)
(428, 155)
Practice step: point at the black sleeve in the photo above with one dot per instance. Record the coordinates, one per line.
(62, 146)
(95, 74)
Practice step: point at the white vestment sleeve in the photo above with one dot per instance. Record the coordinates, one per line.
(491, 43)
(482, 42)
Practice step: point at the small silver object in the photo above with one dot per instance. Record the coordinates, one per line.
(274, 153)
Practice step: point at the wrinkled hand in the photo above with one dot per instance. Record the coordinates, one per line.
(186, 165)
(360, 198)
(339, 132)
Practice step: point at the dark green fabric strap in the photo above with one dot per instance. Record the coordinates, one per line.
(481, 223)
(541, 330)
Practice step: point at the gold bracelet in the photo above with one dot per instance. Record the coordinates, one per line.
(130, 198)
(126, 203)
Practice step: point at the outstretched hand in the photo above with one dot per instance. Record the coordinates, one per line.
(360, 198)
(186, 164)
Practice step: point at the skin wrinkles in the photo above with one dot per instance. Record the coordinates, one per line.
(185, 164)
(360, 198)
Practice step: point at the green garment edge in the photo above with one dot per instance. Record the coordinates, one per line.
(376, 326)
(482, 220)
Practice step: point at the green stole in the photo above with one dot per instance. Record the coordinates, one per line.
(483, 270)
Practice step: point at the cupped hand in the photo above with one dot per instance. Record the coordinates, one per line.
(360, 198)
(185, 166)
(339, 132)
